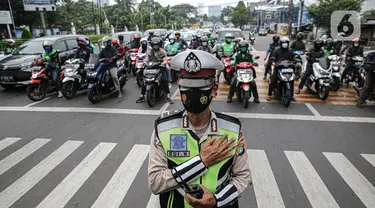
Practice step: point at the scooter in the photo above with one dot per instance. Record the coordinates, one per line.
(41, 82)
(228, 68)
(335, 65)
(100, 81)
(132, 60)
(73, 78)
(152, 77)
(285, 81)
(245, 77)
(298, 58)
(252, 40)
(319, 80)
(139, 67)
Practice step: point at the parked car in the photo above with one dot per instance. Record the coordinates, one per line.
(16, 68)
(262, 32)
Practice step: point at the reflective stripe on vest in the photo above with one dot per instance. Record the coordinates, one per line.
(188, 147)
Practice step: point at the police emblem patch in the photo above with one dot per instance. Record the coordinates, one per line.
(192, 64)
(178, 146)
(240, 149)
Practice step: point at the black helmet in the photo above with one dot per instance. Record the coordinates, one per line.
(318, 43)
(155, 43)
(276, 38)
(329, 42)
(244, 43)
(107, 41)
(204, 39)
(121, 38)
(299, 35)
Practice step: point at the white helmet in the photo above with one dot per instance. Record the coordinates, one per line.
(284, 39)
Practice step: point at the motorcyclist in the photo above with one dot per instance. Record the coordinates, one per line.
(353, 51)
(281, 54)
(298, 45)
(251, 34)
(312, 55)
(157, 54)
(271, 48)
(368, 87)
(10, 46)
(83, 51)
(121, 39)
(119, 48)
(210, 39)
(171, 48)
(236, 44)
(136, 42)
(110, 53)
(150, 36)
(328, 47)
(227, 49)
(243, 55)
(180, 41)
(205, 46)
(52, 63)
(195, 42)
(144, 47)
(92, 46)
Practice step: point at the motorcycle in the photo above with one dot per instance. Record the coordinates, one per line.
(245, 77)
(140, 67)
(335, 63)
(358, 86)
(228, 71)
(152, 77)
(174, 73)
(132, 61)
(252, 40)
(353, 74)
(73, 78)
(41, 82)
(285, 81)
(319, 80)
(100, 81)
(298, 58)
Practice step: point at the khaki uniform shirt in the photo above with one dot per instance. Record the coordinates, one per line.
(160, 177)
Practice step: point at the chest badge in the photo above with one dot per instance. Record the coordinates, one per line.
(178, 146)
(240, 149)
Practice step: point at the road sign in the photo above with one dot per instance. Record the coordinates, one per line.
(39, 5)
(5, 18)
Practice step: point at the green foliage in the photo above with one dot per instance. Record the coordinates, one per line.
(148, 27)
(226, 11)
(240, 15)
(185, 9)
(95, 38)
(26, 34)
(368, 15)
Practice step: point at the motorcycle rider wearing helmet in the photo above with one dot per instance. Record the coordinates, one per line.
(368, 87)
(10, 46)
(180, 41)
(173, 48)
(328, 47)
(158, 55)
(243, 55)
(298, 45)
(205, 46)
(92, 46)
(83, 51)
(311, 57)
(210, 39)
(150, 36)
(144, 47)
(119, 48)
(52, 63)
(353, 51)
(121, 39)
(227, 48)
(271, 48)
(281, 54)
(111, 54)
(236, 44)
(195, 42)
(136, 42)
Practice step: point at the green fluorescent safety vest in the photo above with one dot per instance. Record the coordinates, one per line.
(181, 145)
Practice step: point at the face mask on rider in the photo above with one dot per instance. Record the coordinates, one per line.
(356, 44)
(285, 45)
(155, 47)
(196, 100)
(228, 40)
(204, 43)
(243, 49)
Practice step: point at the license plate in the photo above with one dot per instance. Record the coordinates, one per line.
(358, 63)
(247, 71)
(287, 70)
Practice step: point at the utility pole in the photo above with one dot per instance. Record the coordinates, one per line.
(43, 23)
(11, 15)
(290, 18)
(93, 15)
(300, 16)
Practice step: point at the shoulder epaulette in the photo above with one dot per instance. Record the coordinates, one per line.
(228, 118)
(169, 115)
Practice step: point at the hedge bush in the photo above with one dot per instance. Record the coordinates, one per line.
(26, 34)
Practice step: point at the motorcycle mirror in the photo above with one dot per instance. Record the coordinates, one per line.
(256, 57)
(58, 50)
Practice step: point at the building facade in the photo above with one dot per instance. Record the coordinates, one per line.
(214, 11)
(200, 9)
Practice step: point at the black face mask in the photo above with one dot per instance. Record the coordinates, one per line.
(196, 100)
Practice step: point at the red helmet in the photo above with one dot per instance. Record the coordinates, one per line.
(137, 36)
(356, 40)
(114, 42)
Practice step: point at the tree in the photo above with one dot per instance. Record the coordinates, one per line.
(205, 17)
(368, 15)
(26, 34)
(226, 12)
(22, 17)
(185, 10)
(240, 15)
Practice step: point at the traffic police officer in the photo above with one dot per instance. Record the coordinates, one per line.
(197, 145)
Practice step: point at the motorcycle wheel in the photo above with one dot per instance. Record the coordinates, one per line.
(287, 97)
(246, 97)
(335, 86)
(323, 93)
(69, 89)
(93, 95)
(36, 92)
(150, 98)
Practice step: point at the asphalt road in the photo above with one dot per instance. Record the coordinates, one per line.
(71, 153)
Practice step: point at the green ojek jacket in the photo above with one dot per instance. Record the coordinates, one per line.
(180, 146)
(327, 51)
(228, 48)
(174, 48)
(51, 58)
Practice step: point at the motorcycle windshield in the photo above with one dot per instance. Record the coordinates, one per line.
(93, 60)
(323, 62)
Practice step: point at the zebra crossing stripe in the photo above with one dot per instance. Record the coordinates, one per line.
(315, 189)
(15, 191)
(370, 158)
(7, 142)
(116, 189)
(71, 183)
(266, 190)
(357, 182)
(153, 202)
(21, 154)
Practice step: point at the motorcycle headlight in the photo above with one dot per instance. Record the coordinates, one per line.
(27, 67)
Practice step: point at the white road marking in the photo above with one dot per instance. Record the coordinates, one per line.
(116, 189)
(4, 143)
(266, 190)
(15, 191)
(166, 105)
(315, 189)
(357, 182)
(71, 183)
(37, 102)
(21, 154)
(370, 158)
(313, 110)
(153, 202)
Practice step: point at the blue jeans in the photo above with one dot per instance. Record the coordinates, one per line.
(55, 72)
(169, 73)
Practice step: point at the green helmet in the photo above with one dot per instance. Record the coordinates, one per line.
(229, 35)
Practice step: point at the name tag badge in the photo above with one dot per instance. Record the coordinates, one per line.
(178, 146)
